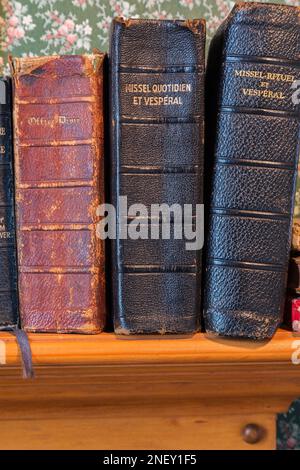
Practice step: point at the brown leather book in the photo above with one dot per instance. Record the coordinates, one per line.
(59, 166)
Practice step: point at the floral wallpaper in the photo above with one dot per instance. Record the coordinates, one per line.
(38, 27)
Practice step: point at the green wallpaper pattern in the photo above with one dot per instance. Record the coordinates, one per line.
(38, 27)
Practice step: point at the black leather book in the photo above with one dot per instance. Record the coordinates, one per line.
(252, 150)
(8, 269)
(157, 105)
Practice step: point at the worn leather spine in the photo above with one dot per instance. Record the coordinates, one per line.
(252, 152)
(8, 266)
(59, 184)
(157, 157)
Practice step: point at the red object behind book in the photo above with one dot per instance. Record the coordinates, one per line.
(296, 315)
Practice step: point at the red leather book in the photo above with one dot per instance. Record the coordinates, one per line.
(59, 184)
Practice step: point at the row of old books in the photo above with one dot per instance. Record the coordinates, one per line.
(128, 130)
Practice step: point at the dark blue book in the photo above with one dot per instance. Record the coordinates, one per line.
(253, 137)
(8, 265)
(157, 126)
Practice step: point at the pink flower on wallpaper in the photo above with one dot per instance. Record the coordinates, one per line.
(19, 33)
(13, 21)
(224, 7)
(187, 3)
(161, 15)
(66, 28)
(80, 3)
(72, 38)
(62, 30)
(66, 34)
(122, 8)
(70, 25)
(104, 24)
(17, 23)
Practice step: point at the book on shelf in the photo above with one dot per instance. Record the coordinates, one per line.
(157, 133)
(252, 151)
(59, 169)
(8, 262)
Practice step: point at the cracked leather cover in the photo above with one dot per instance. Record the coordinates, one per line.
(59, 184)
(252, 153)
(157, 157)
(8, 264)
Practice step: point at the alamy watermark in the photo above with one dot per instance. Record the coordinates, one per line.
(2, 352)
(158, 221)
(296, 94)
(296, 353)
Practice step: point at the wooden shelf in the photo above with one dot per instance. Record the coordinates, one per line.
(106, 348)
(103, 392)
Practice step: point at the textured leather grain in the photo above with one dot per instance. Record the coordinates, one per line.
(8, 266)
(59, 184)
(252, 151)
(157, 157)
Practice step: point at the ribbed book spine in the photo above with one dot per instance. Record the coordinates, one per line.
(253, 144)
(157, 103)
(59, 185)
(8, 266)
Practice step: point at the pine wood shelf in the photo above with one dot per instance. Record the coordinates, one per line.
(102, 392)
(106, 348)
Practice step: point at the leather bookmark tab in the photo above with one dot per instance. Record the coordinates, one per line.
(25, 351)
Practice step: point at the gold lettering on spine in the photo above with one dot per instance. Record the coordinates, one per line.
(68, 120)
(162, 101)
(278, 77)
(155, 89)
(158, 88)
(53, 121)
(263, 93)
(2, 147)
(4, 234)
(265, 78)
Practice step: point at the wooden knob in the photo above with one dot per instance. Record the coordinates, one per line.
(252, 433)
